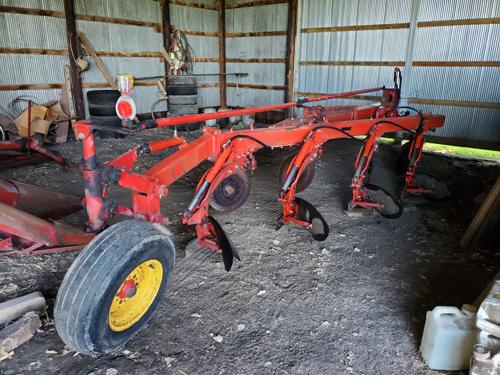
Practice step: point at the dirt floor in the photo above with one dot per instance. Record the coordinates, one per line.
(354, 303)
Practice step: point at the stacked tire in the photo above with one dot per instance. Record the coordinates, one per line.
(101, 105)
(183, 98)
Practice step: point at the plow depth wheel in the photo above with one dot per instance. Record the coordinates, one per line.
(231, 193)
(305, 178)
(113, 287)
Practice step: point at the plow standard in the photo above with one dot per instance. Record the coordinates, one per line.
(116, 282)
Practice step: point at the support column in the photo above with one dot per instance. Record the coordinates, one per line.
(221, 10)
(73, 48)
(167, 29)
(291, 34)
(410, 51)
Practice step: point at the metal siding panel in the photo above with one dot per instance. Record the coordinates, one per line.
(256, 47)
(260, 74)
(204, 46)
(144, 10)
(196, 19)
(57, 5)
(261, 18)
(244, 97)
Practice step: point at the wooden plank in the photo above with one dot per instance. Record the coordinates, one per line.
(460, 22)
(34, 51)
(255, 3)
(336, 29)
(73, 45)
(166, 31)
(256, 34)
(351, 63)
(455, 103)
(57, 86)
(392, 26)
(255, 86)
(257, 60)
(490, 64)
(201, 33)
(192, 4)
(487, 64)
(221, 10)
(206, 59)
(100, 65)
(78, 16)
(290, 49)
(357, 97)
(488, 204)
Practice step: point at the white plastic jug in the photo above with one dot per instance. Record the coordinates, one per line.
(449, 335)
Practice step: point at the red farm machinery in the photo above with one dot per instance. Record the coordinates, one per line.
(116, 282)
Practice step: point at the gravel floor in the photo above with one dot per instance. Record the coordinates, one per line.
(354, 303)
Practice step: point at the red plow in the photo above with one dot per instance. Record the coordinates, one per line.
(224, 187)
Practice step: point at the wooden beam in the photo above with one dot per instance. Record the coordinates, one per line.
(478, 64)
(78, 16)
(201, 33)
(256, 87)
(221, 10)
(474, 64)
(192, 4)
(335, 29)
(455, 103)
(257, 60)
(392, 26)
(256, 34)
(460, 22)
(166, 30)
(352, 63)
(85, 85)
(73, 45)
(357, 97)
(291, 33)
(255, 3)
(422, 101)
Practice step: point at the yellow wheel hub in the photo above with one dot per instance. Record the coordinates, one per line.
(135, 295)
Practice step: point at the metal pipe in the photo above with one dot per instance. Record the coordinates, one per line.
(171, 121)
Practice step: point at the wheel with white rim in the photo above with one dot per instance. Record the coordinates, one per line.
(113, 287)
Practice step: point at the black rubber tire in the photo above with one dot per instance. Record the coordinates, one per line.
(102, 110)
(397, 207)
(183, 109)
(305, 178)
(103, 97)
(85, 295)
(182, 80)
(182, 90)
(182, 99)
(222, 202)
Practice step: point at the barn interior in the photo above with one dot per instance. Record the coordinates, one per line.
(249, 187)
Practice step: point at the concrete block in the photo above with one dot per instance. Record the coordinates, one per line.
(18, 332)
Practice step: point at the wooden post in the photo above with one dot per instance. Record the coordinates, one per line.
(291, 33)
(167, 30)
(73, 48)
(221, 9)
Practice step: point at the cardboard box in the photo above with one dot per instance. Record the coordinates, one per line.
(38, 112)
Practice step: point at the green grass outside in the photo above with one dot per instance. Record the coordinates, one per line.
(456, 150)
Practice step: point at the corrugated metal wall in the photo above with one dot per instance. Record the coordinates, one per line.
(460, 43)
(50, 33)
(256, 19)
(444, 43)
(36, 32)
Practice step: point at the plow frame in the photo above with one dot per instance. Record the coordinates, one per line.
(231, 150)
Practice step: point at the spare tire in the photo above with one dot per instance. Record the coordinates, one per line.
(184, 80)
(102, 102)
(182, 109)
(107, 120)
(182, 90)
(183, 99)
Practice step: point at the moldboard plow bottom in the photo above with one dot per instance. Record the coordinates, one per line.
(125, 268)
